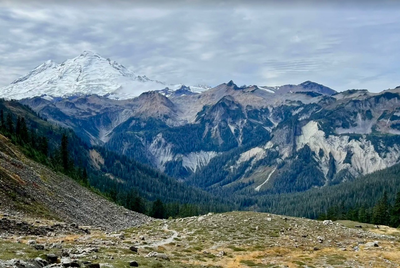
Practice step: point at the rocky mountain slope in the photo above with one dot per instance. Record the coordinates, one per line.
(37, 191)
(243, 133)
(120, 178)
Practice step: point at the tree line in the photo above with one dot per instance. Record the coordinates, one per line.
(36, 146)
(382, 213)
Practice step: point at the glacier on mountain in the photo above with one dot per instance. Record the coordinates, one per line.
(89, 73)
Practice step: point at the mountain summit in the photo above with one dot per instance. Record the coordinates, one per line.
(89, 73)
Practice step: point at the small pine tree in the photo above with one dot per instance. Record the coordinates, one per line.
(139, 205)
(44, 146)
(24, 131)
(18, 127)
(85, 178)
(395, 213)
(381, 213)
(2, 122)
(362, 214)
(158, 210)
(65, 153)
(9, 124)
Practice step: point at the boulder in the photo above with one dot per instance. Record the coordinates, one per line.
(92, 265)
(157, 255)
(133, 264)
(39, 247)
(52, 258)
(67, 262)
(133, 248)
(39, 262)
(372, 244)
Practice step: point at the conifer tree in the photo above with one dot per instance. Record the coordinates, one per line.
(85, 177)
(9, 124)
(24, 131)
(381, 213)
(138, 205)
(18, 127)
(65, 153)
(158, 210)
(44, 146)
(2, 122)
(395, 215)
(362, 215)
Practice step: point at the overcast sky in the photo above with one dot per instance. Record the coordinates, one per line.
(340, 46)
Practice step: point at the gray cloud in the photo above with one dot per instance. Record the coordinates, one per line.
(191, 42)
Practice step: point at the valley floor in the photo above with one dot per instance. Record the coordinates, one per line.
(235, 239)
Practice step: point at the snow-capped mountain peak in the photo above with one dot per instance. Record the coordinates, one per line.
(88, 73)
(41, 68)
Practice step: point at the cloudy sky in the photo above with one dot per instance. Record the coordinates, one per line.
(342, 45)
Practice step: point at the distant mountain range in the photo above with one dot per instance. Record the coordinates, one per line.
(249, 140)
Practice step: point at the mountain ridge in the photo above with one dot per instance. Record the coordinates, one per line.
(88, 73)
(231, 137)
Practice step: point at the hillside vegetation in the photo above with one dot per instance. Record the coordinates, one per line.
(122, 180)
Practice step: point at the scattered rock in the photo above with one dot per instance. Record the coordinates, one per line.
(162, 256)
(269, 219)
(39, 247)
(320, 239)
(133, 264)
(52, 258)
(327, 222)
(134, 249)
(40, 262)
(92, 265)
(89, 250)
(372, 244)
(67, 262)
(157, 255)
(121, 236)
(221, 254)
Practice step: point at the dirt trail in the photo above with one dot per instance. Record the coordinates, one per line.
(164, 241)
